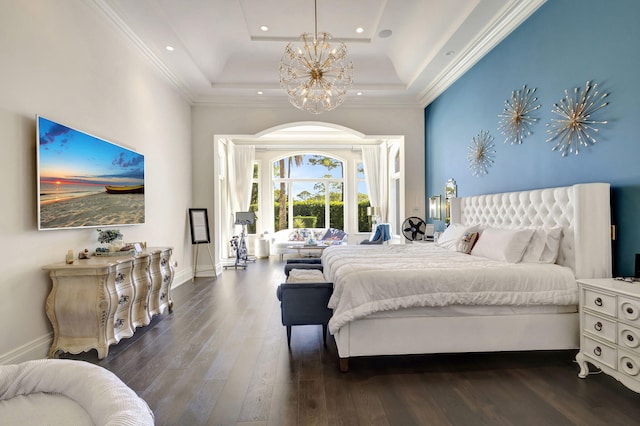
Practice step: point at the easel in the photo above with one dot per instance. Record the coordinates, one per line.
(199, 222)
(244, 219)
(195, 261)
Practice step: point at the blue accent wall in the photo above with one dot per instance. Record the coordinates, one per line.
(563, 45)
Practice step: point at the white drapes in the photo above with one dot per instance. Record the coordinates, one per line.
(240, 160)
(375, 162)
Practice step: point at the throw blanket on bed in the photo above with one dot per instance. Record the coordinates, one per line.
(369, 279)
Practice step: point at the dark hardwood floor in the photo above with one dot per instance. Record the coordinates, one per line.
(221, 358)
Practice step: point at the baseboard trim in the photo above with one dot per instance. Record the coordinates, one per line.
(35, 349)
(39, 347)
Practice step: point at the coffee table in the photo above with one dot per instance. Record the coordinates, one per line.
(309, 250)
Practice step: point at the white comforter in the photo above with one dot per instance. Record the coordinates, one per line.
(369, 279)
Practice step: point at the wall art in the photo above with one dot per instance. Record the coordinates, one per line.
(516, 118)
(481, 153)
(576, 126)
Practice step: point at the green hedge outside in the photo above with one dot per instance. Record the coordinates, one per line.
(309, 210)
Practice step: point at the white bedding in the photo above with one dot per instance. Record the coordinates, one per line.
(369, 279)
(475, 311)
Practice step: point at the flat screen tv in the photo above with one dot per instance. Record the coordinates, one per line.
(85, 181)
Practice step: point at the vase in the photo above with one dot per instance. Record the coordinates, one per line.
(116, 245)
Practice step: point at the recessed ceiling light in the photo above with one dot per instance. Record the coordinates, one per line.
(385, 33)
(260, 92)
(169, 48)
(359, 30)
(264, 28)
(359, 93)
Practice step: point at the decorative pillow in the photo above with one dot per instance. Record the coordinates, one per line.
(467, 241)
(544, 246)
(452, 236)
(296, 236)
(507, 245)
(334, 235)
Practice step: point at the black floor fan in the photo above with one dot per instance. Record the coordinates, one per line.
(413, 228)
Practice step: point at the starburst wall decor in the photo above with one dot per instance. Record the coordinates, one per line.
(481, 153)
(575, 126)
(516, 119)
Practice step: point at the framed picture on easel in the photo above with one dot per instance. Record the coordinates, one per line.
(199, 221)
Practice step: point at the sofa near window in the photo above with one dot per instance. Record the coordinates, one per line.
(282, 240)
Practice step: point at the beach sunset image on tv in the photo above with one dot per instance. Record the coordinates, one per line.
(84, 181)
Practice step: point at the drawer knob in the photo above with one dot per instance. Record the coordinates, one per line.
(629, 310)
(629, 365)
(598, 301)
(630, 337)
(598, 326)
(597, 351)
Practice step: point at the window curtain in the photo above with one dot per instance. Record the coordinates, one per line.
(240, 160)
(375, 163)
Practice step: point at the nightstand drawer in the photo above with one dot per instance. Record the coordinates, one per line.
(629, 310)
(600, 302)
(606, 354)
(629, 364)
(598, 326)
(628, 337)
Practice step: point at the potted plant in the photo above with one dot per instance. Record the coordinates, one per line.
(112, 238)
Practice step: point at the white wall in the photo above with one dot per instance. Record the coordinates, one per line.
(61, 59)
(242, 120)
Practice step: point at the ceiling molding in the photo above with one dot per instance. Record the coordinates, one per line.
(516, 12)
(114, 19)
(512, 16)
(283, 102)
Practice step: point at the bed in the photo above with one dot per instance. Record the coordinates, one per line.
(423, 298)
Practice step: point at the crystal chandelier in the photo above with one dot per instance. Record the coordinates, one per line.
(316, 75)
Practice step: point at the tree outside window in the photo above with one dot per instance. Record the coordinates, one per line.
(364, 221)
(308, 192)
(255, 198)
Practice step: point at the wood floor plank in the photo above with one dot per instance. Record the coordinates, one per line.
(229, 404)
(221, 358)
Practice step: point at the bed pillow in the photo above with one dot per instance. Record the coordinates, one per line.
(544, 246)
(452, 236)
(507, 245)
(467, 242)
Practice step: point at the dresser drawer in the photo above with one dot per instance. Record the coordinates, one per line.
(600, 302)
(606, 354)
(629, 337)
(629, 310)
(629, 364)
(598, 326)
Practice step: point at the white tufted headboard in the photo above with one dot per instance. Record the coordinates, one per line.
(583, 211)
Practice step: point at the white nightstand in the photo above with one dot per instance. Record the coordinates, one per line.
(610, 329)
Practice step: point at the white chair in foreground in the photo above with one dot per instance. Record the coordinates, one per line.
(67, 392)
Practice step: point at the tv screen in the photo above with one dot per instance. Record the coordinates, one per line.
(85, 181)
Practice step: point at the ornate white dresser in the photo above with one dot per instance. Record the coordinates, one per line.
(96, 302)
(610, 329)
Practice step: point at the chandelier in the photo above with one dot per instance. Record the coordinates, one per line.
(316, 75)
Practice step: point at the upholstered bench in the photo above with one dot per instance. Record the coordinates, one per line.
(314, 260)
(305, 303)
(302, 266)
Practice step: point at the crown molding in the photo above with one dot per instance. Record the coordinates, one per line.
(121, 26)
(511, 17)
